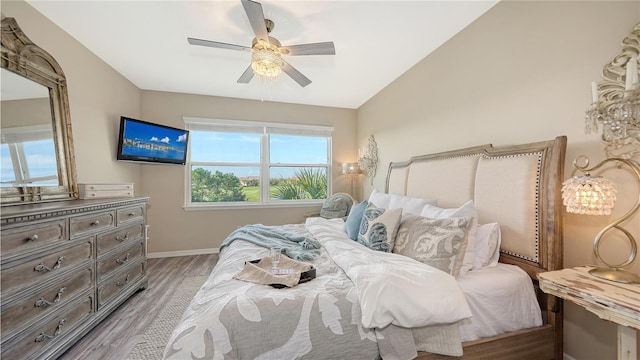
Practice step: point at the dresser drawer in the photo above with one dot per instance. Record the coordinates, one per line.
(41, 336)
(45, 267)
(110, 240)
(80, 225)
(94, 191)
(120, 259)
(105, 187)
(110, 289)
(27, 238)
(97, 194)
(56, 295)
(50, 254)
(130, 214)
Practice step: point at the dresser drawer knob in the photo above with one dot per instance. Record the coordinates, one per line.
(123, 238)
(122, 261)
(42, 267)
(33, 237)
(132, 214)
(120, 283)
(44, 303)
(95, 223)
(42, 337)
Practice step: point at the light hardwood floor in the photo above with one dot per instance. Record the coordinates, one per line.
(117, 335)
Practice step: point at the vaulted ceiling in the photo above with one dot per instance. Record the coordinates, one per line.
(375, 42)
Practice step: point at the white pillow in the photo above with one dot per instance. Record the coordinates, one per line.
(380, 199)
(466, 210)
(488, 239)
(408, 204)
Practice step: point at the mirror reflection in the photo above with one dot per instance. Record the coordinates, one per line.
(27, 148)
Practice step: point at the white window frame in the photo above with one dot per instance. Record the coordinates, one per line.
(264, 129)
(14, 138)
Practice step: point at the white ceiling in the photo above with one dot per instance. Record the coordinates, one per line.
(375, 41)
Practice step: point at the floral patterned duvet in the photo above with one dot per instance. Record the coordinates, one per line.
(319, 319)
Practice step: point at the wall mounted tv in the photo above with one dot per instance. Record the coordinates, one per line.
(144, 141)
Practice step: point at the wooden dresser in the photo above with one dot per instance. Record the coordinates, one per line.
(65, 266)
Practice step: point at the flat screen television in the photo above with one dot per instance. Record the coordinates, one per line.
(144, 141)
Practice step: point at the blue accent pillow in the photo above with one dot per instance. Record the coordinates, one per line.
(352, 225)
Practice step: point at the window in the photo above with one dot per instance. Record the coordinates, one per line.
(27, 157)
(252, 163)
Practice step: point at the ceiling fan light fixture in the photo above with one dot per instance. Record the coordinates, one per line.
(266, 51)
(266, 62)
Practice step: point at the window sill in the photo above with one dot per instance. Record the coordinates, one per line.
(238, 206)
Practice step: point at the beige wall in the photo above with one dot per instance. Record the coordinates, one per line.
(520, 73)
(174, 229)
(97, 97)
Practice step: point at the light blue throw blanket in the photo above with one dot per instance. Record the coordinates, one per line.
(295, 246)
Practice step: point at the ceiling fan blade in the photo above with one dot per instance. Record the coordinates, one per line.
(215, 44)
(322, 48)
(246, 76)
(256, 19)
(295, 74)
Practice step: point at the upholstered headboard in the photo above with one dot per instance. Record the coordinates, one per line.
(515, 186)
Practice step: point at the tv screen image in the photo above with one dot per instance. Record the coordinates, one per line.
(144, 141)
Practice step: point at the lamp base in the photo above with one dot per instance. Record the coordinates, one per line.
(616, 275)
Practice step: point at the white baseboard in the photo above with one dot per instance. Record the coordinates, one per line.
(165, 254)
(567, 357)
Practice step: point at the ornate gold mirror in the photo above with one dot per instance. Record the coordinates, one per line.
(36, 147)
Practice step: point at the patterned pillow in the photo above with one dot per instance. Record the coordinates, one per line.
(336, 206)
(440, 243)
(468, 209)
(378, 228)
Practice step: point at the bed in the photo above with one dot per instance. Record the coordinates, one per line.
(366, 304)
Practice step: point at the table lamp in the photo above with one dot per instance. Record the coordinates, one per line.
(596, 195)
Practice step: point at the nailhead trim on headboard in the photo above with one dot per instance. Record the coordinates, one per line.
(544, 252)
(537, 203)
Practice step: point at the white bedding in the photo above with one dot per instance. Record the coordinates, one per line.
(405, 306)
(392, 289)
(321, 318)
(501, 299)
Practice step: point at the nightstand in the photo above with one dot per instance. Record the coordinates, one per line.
(613, 301)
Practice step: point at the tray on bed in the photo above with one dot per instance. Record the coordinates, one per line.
(304, 276)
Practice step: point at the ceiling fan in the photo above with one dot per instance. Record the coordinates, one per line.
(266, 51)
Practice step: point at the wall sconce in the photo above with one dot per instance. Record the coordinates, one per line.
(368, 158)
(616, 101)
(596, 195)
(351, 170)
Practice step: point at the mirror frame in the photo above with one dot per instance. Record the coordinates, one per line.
(21, 56)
